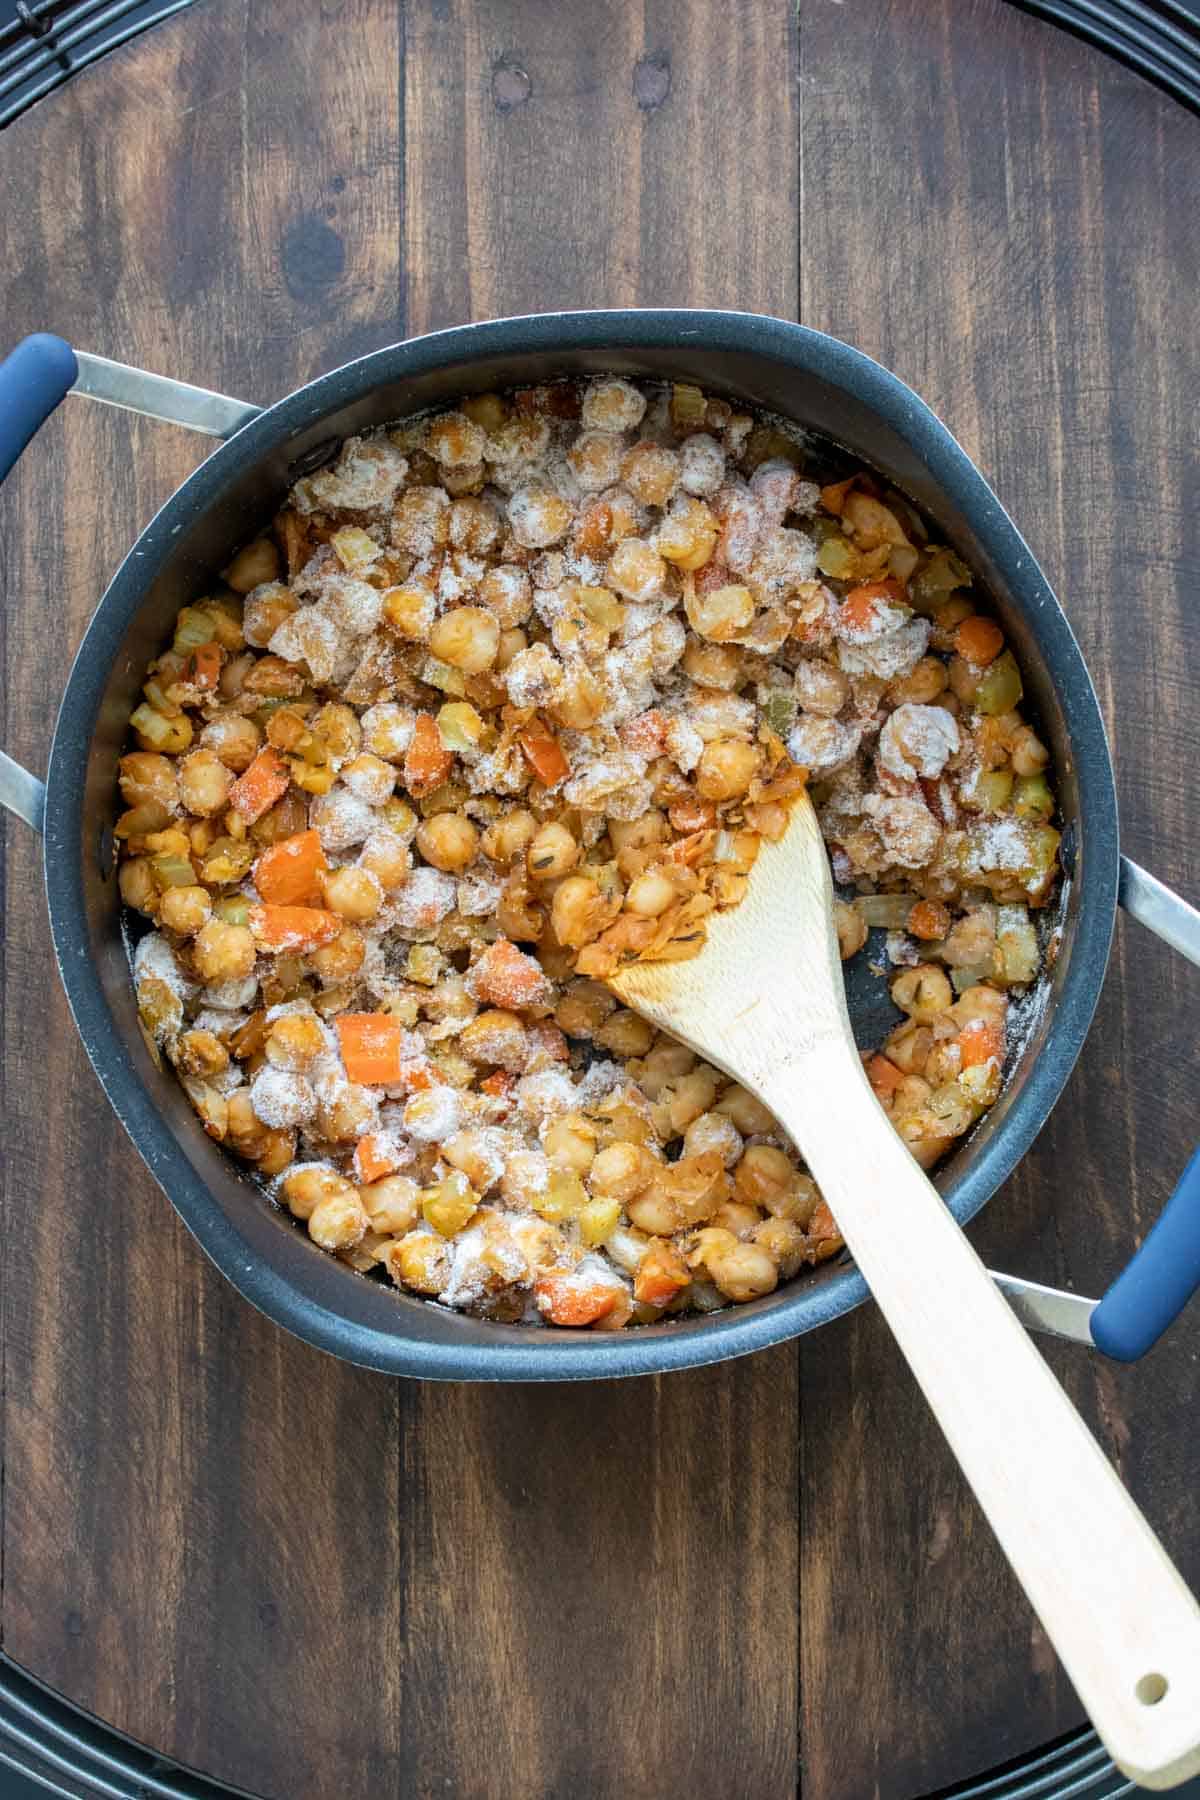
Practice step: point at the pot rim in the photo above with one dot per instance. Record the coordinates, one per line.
(546, 1355)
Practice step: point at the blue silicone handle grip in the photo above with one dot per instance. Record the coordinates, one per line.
(33, 379)
(1153, 1289)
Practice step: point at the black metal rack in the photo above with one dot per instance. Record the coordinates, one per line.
(48, 1745)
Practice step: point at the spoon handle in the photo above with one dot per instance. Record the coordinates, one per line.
(1117, 1611)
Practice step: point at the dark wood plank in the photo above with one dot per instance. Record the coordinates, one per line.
(993, 210)
(200, 1532)
(409, 1575)
(576, 1537)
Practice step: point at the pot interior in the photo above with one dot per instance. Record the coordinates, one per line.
(814, 382)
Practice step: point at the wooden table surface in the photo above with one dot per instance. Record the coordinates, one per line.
(312, 1581)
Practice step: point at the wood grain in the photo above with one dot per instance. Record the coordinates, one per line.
(310, 1581)
(1037, 291)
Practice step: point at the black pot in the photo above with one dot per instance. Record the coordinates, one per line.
(817, 382)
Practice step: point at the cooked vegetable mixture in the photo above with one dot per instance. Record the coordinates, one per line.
(503, 698)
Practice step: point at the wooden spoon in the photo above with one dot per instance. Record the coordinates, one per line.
(765, 1002)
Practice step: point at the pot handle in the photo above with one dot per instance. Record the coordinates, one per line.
(34, 378)
(1159, 1280)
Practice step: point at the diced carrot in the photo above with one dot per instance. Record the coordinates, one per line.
(505, 976)
(498, 1085)
(884, 1076)
(660, 1275)
(979, 641)
(644, 734)
(287, 874)
(203, 666)
(544, 755)
(858, 608)
(372, 1046)
(565, 1301)
(692, 814)
(375, 1156)
(293, 928)
(833, 497)
(416, 1075)
(929, 919)
(427, 762)
(824, 1238)
(265, 782)
(980, 1041)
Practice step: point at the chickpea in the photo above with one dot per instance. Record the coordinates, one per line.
(337, 725)
(666, 1062)
(713, 665)
(784, 1242)
(763, 1173)
(294, 1041)
(224, 952)
(277, 1151)
(509, 836)
(497, 1037)
(352, 893)
(454, 440)
(613, 405)
(466, 638)
(713, 1131)
(620, 1171)
(347, 1114)
(369, 778)
(507, 592)
(922, 686)
(449, 841)
(234, 739)
(584, 1008)
(338, 1222)
(512, 642)
(651, 473)
(257, 563)
(638, 834)
(552, 853)
(570, 1143)
(980, 1002)
(577, 912)
(625, 1034)
(654, 1211)
(202, 1053)
(538, 517)
(689, 1096)
(388, 858)
(636, 570)
(419, 1261)
(470, 1153)
(737, 1217)
(340, 960)
(924, 993)
(726, 769)
(474, 525)
(650, 895)
(747, 1111)
(720, 614)
(185, 909)
(851, 929)
(245, 1131)
(743, 1272)
(204, 783)
(138, 886)
(392, 1205)
(909, 1047)
(1029, 754)
(595, 458)
(149, 779)
(409, 610)
(265, 612)
(311, 1186)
